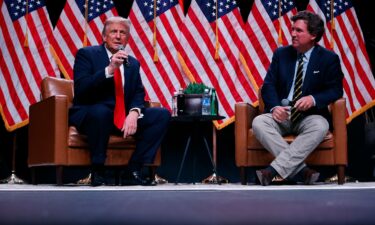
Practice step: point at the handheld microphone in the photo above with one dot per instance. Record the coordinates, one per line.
(285, 102)
(126, 61)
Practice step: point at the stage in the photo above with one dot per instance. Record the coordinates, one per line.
(323, 203)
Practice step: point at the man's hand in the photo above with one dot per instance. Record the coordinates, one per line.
(304, 103)
(130, 124)
(117, 60)
(281, 113)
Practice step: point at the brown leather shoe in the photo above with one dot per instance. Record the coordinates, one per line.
(264, 176)
(310, 176)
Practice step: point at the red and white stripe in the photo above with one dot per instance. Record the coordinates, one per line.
(225, 74)
(359, 83)
(261, 40)
(23, 68)
(164, 77)
(70, 31)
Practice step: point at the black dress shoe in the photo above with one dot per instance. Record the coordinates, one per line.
(98, 179)
(265, 177)
(135, 178)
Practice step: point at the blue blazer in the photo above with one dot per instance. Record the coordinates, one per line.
(323, 79)
(92, 87)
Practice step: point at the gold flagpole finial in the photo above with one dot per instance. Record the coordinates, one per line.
(156, 57)
(333, 28)
(26, 42)
(84, 43)
(217, 46)
(280, 38)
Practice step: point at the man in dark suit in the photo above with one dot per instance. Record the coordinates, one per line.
(95, 101)
(302, 80)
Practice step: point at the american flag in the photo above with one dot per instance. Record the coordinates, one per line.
(73, 31)
(163, 76)
(25, 59)
(208, 23)
(268, 26)
(345, 35)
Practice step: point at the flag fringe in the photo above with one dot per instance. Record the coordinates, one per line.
(248, 73)
(15, 126)
(59, 63)
(185, 68)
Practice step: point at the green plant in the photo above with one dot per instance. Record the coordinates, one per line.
(195, 88)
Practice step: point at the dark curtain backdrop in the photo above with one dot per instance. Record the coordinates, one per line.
(360, 165)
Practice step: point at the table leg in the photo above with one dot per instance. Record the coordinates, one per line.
(213, 178)
(183, 159)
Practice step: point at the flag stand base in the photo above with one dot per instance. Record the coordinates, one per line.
(13, 179)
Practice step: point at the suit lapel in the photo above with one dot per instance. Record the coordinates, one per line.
(291, 66)
(313, 62)
(102, 53)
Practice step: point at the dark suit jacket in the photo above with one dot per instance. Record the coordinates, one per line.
(92, 87)
(323, 79)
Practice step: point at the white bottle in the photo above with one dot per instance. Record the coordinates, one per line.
(206, 102)
(174, 103)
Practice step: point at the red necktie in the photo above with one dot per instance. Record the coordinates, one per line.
(119, 112)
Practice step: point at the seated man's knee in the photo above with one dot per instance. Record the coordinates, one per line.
(322, 124)
(165, 114)
(100, 114)
(161, 115)
(259, 123)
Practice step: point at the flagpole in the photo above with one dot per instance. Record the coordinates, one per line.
(216, 34)
(332, 42)
(13, 179)
(279, 40)
(26, 42)
(84, 43)
(156, 57)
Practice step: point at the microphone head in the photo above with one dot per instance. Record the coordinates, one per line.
(285, 102)
(126, 61)
(121, 47)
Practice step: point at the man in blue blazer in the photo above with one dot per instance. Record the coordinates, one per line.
(319, 83)
(94, 102)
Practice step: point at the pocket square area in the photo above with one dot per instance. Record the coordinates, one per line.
(316, 71)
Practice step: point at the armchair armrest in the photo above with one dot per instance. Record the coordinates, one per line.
(339, 131)
(244, 116)
(152, 104)
(48, 131)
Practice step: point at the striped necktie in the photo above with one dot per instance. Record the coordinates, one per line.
(297, 93)
(119, 111)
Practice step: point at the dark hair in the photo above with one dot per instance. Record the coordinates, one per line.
(315, 24)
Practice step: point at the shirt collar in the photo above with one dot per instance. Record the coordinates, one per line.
(307, 54)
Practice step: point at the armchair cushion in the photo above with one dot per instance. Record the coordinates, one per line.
(77, 140)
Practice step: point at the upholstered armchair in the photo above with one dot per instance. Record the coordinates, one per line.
(332, 151)
(52, 142)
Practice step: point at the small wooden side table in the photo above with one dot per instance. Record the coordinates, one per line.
(195, 131)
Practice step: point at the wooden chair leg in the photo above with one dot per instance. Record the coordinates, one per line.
(33, 176)
(341, 174)
(243, 175)
(59, 175)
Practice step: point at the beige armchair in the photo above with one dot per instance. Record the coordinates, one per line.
(250, 153)
(52, 142)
